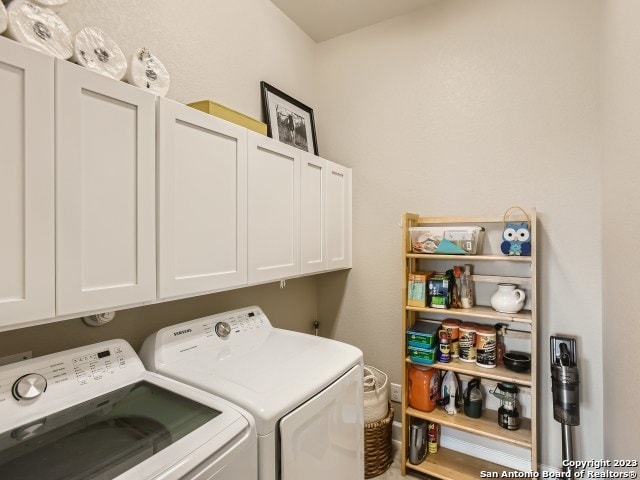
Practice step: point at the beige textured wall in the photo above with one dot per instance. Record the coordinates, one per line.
(469, 107)
(466, 107)
(293, 307)
(621, 201)
(213, 50)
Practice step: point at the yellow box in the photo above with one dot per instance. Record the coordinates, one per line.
(230, 115)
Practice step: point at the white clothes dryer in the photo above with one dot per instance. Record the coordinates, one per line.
(95, 412)
(305, 392)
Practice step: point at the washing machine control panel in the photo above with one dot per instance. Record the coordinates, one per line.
(51, 377)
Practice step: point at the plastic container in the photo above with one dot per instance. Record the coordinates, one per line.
(453, 240)
(423, 355)
(486, 346)
(423, 334)
(424, 387)
(467, 342)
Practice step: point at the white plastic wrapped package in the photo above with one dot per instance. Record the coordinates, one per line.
(54, 5)
(38, 28)
(96, 51)
(3, 18)
(146, 71)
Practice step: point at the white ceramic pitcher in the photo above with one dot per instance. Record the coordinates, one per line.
(508, 298)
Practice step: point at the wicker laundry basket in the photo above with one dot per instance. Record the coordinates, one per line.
(378, 454)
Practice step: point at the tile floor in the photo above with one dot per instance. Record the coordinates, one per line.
(394, 471)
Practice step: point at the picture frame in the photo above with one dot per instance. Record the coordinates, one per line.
(288, 120)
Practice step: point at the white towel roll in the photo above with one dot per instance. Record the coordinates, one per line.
(3, 18)
(54, 5)
(98, 52)
(38, 28)
(146, 71)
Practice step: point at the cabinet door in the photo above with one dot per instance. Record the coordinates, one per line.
(274, 209)
(202, 201)
(312, 214)
(26, 185)
(338, 222)
(105, 191)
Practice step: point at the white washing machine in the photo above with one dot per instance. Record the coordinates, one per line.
(305, 392)
(95, 412)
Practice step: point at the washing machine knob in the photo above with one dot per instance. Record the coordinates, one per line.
(223, 329)
(29, 386)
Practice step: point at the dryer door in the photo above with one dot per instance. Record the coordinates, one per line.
(324, 437)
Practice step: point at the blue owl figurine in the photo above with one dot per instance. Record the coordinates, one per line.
(516, 239)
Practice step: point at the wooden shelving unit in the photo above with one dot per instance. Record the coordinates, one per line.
(448, 464)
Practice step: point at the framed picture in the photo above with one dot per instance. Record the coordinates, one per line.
(288, 120)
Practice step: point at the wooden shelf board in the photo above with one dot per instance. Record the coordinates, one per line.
(516, 216)
(501, 279)
(500, 374)
(470, 258)
(486, 425)
(479, 311)
(451, 465)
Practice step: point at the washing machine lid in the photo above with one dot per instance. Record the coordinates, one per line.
(267, 371)
(107, 429)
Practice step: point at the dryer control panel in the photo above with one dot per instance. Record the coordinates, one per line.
(237, 328)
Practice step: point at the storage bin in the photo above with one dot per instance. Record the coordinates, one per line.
(423, 355)
(423, 334)
(230, 115)
(451, 240)
(376, 393)
(378, 454)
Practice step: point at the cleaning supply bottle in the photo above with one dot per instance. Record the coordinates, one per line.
(424, 387)
(466, 297)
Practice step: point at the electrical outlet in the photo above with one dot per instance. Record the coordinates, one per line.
(396, 392)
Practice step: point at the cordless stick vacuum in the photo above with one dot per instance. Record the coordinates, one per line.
(566, 396)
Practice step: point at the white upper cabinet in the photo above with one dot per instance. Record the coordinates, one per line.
(26, 186)
(105, 192)
(273, 209)
(202, 202)
(338, 222)
(312, 214)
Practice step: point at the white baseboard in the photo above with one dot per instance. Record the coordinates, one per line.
(477, 450)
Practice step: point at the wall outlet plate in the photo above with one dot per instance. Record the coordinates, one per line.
(396, 392)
